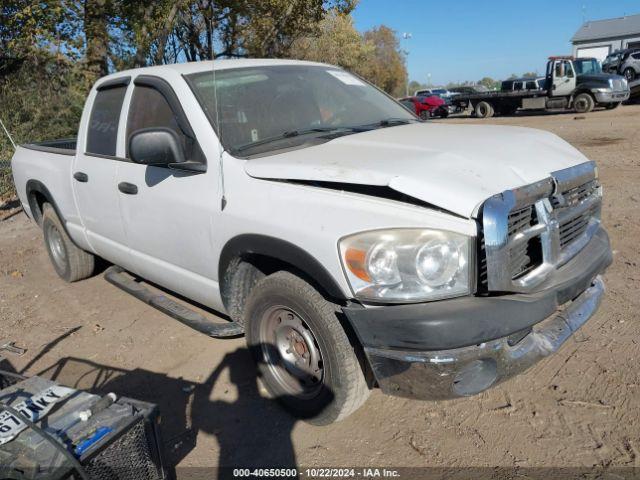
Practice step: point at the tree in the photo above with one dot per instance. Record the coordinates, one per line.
(337, 42)
(490, 83)
(386, 66)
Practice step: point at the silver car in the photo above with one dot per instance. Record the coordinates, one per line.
(630, 66)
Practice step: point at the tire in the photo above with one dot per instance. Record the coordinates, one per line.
(630, 74)
(484, 110)
(70, 262)
(583, 103)
(425, 115)
(286, 318)
(444, 113)
(612, 106)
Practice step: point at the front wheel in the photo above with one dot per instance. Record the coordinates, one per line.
(583, 103)
(425, 115)
(304, 356)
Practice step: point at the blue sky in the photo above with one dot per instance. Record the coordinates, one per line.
(467, 40)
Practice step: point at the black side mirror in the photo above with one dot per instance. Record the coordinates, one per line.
(155, 146)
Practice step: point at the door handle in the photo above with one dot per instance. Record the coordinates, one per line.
(81, 177)
(128, 188)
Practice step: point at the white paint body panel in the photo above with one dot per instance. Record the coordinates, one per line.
(173, 231)
(455, 167)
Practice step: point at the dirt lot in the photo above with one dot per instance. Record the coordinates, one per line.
(578, 408)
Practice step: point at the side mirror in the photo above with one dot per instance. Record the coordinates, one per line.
(155, 146)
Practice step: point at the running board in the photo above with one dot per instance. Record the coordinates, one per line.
(118, 277)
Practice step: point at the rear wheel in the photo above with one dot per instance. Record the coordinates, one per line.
(583, 103)
(303, 354)
(70, 262)
(484, 110)
(630, 74)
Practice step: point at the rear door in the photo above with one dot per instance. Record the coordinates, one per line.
(171, 218)
(94, 172)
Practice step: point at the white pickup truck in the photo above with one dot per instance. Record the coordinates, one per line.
(355, 245)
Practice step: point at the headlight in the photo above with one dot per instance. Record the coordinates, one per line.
(407, 265)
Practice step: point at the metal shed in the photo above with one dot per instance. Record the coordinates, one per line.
(600, 37)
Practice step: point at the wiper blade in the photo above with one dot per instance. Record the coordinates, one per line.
(291, 134)
(389, 122)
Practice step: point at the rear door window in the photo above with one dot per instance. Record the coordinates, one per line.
(102, 133)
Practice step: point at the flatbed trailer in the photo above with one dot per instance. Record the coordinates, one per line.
(566, 88)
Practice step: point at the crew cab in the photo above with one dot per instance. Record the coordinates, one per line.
(354, 245)
(570, 83)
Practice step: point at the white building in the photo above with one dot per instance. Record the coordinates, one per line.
(601, 37)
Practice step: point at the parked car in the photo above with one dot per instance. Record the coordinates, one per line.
(440, 92)
(520, 84)
(354, 245)
(630, 65)
(469, 89)
(614, 63)
(426, 107)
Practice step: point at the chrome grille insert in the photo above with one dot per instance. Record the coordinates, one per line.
(530, 231)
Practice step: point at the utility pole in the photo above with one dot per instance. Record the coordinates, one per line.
(407, 36)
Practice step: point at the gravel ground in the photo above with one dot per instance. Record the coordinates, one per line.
(578, 408)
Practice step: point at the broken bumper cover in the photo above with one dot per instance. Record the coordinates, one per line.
(469, 370)
(462, 346)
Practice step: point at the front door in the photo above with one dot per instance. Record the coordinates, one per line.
(94, 175)
(169, 214)
(564, 78)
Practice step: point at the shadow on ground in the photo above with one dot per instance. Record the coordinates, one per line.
(251, 431)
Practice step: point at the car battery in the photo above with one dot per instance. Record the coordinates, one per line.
(109, 437)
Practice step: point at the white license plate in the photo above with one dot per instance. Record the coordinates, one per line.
(34, 408)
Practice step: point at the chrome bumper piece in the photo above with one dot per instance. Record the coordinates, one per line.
(470, 370)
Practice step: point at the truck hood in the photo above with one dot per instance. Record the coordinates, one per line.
(599, 78)
(454, 167)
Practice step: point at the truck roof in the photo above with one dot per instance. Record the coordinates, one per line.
(203, 66)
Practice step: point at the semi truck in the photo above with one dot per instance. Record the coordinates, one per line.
(570, 83)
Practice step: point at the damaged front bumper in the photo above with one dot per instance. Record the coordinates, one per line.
(469, 370)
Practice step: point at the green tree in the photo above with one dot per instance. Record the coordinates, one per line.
(337, 42)
(386, 67)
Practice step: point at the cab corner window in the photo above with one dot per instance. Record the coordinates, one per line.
(103, 123)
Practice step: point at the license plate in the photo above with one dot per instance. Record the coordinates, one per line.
(34, 408)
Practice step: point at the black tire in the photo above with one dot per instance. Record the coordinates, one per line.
(285, 317)
(583, 103)
(444, 113)
(70, 262)
(425, 115)
(630, 74)
(612, 106)
(484, 110)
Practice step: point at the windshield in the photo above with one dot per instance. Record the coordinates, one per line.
(585, 66)
(284, 106)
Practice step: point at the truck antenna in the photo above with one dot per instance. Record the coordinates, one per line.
(223, 200)
(8, 135)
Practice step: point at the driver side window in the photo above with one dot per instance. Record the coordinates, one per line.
(149, 109)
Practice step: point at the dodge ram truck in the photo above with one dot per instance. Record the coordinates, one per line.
(354, 245)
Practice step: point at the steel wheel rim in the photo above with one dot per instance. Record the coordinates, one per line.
(56, 247)
(291, 352)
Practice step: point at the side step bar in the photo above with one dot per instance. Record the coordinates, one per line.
(118, 277)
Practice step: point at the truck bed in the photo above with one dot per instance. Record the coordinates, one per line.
(63, 146)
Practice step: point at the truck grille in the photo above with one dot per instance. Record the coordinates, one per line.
(529, 232)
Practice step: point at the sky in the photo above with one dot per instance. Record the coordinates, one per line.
(462, 40)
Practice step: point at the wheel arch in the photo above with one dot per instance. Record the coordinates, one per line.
(37, 195)
(268, 254)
